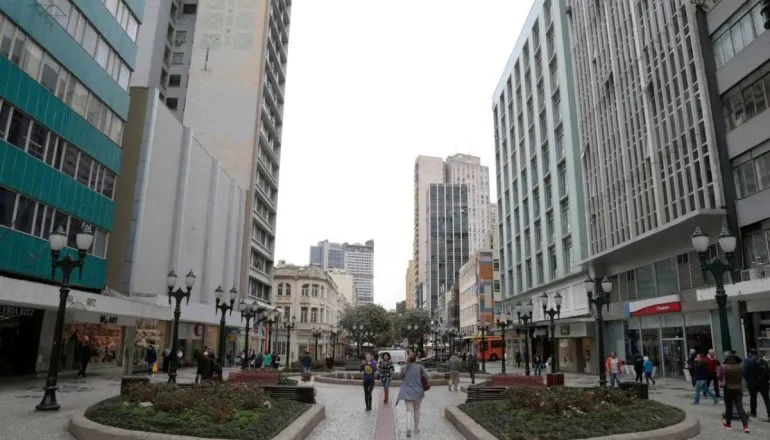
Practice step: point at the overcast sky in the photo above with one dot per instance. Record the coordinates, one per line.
(371, 85)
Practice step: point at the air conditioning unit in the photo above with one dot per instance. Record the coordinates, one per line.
(745, 275)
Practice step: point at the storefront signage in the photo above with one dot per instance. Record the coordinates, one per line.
(106, 319)
(564, 330)
(21, 312)
(654, 306)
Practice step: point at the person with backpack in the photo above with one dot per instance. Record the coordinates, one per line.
(756, 372)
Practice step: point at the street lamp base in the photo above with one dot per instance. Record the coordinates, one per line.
(49, 402)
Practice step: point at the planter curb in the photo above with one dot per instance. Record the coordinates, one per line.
(686, 429)
(84, 429)
(357, 382)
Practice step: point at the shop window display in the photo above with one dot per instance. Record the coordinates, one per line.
(105, 341)
(148, 332)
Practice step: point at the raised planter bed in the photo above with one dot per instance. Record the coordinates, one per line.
(511, 380)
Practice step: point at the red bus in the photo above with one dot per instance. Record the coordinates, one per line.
(491, 349)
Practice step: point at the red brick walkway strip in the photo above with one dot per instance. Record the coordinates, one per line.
(385, 429)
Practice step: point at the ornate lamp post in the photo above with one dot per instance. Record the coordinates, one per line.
(57, 240)
(272, 319)
(451, 334)
(718, 268)
(524, 314)
(288, 325)
(316, 334)
(249, 311)
(224, 303)
(178, 295)
(411, 329)
(483, 327)
(334, 335)
(552, 314)
(503, 322)
(436, 331)
(601, 299)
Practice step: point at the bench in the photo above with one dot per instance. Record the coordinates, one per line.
(287, 392)
(254, 377)
(478, 394)
(510, 380)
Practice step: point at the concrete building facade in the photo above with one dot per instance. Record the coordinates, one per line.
(409, 294)
(479, 290)
(467, 170)
(427, 170)
(346, 285)
(541, 229)
(327, 254)
(221, 68)
(310, 294)
(359, 262)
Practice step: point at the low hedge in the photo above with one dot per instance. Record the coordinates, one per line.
(208, 411)
(564, 413)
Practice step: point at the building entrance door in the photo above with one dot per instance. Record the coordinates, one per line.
(673, 357)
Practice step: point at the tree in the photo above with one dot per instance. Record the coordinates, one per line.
(412, 325)
(374, 318)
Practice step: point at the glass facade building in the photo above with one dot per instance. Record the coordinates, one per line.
(64, 73)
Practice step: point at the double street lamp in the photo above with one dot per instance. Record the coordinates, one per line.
(178, 294)
(272, 320)
(552, 313)
(57, 240)
(334, 334)
(316, 334)
(249, 311)
(718, 268)
(225, 302)
(412, 330)
(437, 330)
(524, 314)
(503, 322)
(360, 333)
(451, 334)
(602, 290)
(483, 327)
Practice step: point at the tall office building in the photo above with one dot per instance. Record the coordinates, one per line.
(327, 254)
(448, 247)
(221, 67)
(493, 230)
(359, 262)
(427, 170)
(539, 181)
(65, 67)
(468, 170)
(459, 169)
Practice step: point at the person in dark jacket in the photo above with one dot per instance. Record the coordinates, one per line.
(733, 390)
(150, 358)
(691, 365)
(756, 372)
(639, 367)
(701, 381)
(306, 362)
(713, 366)
(85, 352)
(206, 368)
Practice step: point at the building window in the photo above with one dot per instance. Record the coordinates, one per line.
(314, 290)
(287, 292)
(747, 99)
(189, 8)
(177, 58)
(303, 314)
(752, 171)
(305, 290)
(738, 33)
(172, 103)
(180, 37)
(174, 80)
(313, 315)
(567, 247)
(279, 291)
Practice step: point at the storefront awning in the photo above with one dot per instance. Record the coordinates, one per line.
(43, 296)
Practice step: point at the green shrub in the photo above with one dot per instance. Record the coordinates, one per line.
(218, 411)
(563, 413)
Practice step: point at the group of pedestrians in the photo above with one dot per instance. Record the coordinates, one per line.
(732, 372)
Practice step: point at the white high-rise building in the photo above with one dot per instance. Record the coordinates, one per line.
(220, 67)
(427, 170)
(468, 170)
(359, 262)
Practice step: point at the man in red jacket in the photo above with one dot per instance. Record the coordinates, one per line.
(713, 365)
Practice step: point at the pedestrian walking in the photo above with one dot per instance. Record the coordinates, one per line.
(518, 359)
(639, 368)
(369, 368)
(537, 365)
(648, 369)
(713, 367)
(85, 352)
(472, 365)
(306, 362)
(413, 386)
(756, 372)
(150, 357)
(614, 366)
(701, 381)
(691, 365)
(267, 360)
(454, 371)
(733, 378)
(385, 370)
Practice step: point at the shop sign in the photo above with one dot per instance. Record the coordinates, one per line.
(21, 312)
(108, 319)
(654, 306)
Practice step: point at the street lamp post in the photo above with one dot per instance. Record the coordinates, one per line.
(316, 334)
(334, 335)
(411, 330)
(718, 268)
(483, 327)
(766, 13)
(503, 322)
(451, 334)
(57, 240)
(601, 299)
(288, 325)
(223, 306)
(249, 311)
(524, 314)
(552, 313)
(436, 330)
(178, 295)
